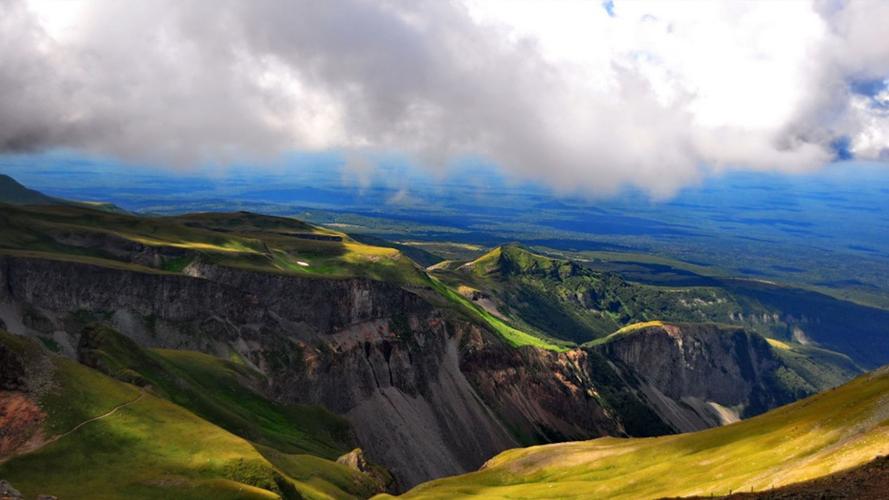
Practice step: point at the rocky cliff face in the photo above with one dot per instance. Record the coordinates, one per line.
(379, 355)
(542, 395)
(700, 375)
(428, 392)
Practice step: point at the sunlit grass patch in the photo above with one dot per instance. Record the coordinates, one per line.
(640, 326)
(838, 429)
(361, 251)
(634, 327)
(511, 335)
(777, 344)
(229, 246)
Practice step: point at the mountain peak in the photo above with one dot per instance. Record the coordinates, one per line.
(14, 193)
(513, 259)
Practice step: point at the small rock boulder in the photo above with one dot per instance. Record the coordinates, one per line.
(7, 492)
(355, 460)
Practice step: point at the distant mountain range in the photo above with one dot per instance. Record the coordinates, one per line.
(14, 193)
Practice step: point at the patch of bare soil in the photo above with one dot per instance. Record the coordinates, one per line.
(21, 423)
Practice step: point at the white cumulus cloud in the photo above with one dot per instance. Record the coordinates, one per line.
(565, 92)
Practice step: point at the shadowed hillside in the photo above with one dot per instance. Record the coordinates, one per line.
(16, 194)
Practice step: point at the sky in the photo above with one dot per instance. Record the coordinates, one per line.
(584, 97)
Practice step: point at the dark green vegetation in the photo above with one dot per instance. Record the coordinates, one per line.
(574, 301)
(511, 335)
(842, 428)
(569, 301)
(148, 446)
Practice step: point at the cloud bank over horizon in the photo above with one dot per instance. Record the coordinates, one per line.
(582, 96)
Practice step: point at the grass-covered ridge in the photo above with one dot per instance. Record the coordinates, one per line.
(550, 297)
(836, 430)
(513, 336)
(559, 298)
(169, 244)
(626, 330)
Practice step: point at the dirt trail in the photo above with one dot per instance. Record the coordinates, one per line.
(38, 446)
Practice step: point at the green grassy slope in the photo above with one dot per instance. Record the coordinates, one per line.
(244, 240)
(422, 257)
(836, 430)
(560, 299)
(513, 336)
(150, 447)
(563, 299)
(841, 322)
(219, 391)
